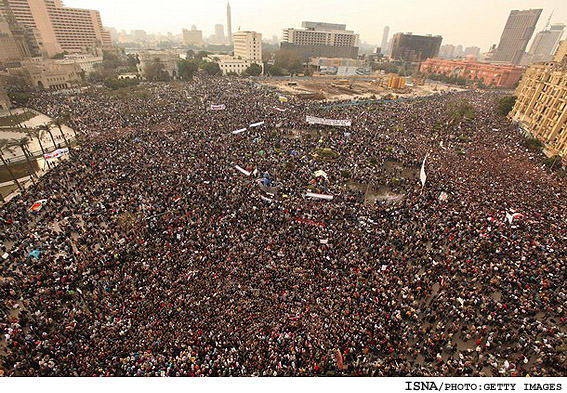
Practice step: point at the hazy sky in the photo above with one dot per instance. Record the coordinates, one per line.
(467, 22)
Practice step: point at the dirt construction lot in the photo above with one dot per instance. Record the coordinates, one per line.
(333, 89)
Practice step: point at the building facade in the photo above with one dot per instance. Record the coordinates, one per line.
(517, 33)
(60, 28)
(248, 45)
(414, 48)
(493, 75)
(384, 43)
(9, 50)
(561, 52)
(193, 37)
(318, 39)
(169, 60)
(541, 107)
(47, 74)
(247, 51)
(545, 44)
(86, 62)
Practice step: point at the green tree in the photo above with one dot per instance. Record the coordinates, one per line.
(253, 70)
(154, 70)
(506, 104)
(289, 60)
(273, 70)
(212, 68)
(186, 69)
(37, 133)
(201, 55)
(4, 144)
(23, 143)
(58, 122)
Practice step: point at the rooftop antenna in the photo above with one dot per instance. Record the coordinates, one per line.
(549, 20)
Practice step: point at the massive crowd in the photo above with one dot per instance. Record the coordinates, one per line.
(157, 257)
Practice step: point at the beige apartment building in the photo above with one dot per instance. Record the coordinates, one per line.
(61, 28)
(247, 51)
(541, 107)
(248, 45)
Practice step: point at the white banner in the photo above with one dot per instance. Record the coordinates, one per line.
(328, 122)
(319, 196)
(220, 107)
(56, 153)
(261, 123)
(239, 131)
(422, 175)
(243, 171)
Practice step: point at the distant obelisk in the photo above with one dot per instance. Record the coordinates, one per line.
(229, 23)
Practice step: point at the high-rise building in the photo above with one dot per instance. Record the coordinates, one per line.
(545, 43)
(193, 37)
(447, 51)
(516, 35)
(247, 51)
(384, 44)
(321, 40)
(472, 50)
(9, 50)
(229, 23)
(414, 48)
(248, 46)
(219, 34)
(541, 106)
(60, 28)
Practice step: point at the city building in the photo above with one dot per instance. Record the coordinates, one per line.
(193, 37)
(545, 44)
(229, 23)
(447, 51)
(248, 45)
(247, 51)
(86, 62)
(516, 35)
(339, 67)
(169, 59)
(541, 106)
(472, 51)
(60, 28)
(414, 48)
(4, 99)
(9, 50)
(561, 51)
(321, 40)
(219, 38)
(46, 73)
(384, 44)
(493, 75)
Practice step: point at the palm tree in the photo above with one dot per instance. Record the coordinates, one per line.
(58, 122)
(66, 117)
(3, 145)
(47, 128)
(23, 143)
(37, 133)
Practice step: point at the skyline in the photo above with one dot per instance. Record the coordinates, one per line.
(439, 17)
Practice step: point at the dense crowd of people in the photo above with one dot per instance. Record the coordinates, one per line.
(155, 256)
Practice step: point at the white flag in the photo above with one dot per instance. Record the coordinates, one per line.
(423, 176)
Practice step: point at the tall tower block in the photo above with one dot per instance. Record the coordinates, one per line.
(229, 23)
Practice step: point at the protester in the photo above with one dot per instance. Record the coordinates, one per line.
(158, 257)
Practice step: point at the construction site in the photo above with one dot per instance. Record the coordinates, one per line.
(325, 88)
